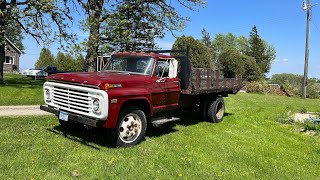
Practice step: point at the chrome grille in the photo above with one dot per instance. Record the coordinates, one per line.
(71, 99)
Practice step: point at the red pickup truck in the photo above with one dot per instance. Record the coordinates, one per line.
(135, 90)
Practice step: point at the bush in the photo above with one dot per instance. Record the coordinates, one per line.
(263, 88)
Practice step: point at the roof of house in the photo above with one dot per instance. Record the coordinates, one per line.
(14, 46)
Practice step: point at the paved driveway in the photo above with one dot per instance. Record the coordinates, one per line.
(21, 111)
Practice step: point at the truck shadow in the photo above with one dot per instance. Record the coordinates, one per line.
(187, 119)
(97, 137)
(90, 137)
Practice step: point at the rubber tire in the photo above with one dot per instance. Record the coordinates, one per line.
(116, 140)
(212, 110)
(203, 109)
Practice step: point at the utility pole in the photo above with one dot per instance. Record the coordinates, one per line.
(307, 7)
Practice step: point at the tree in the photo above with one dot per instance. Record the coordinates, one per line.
(129, 29)
(230, 63)
(39, 19)
(46, 58)
(14, 33)
(66, 62)
(261, 51)
(206, 39)
(162, 13)
(252, 71)
(200, 55)
(225, 42)
(79, 63)
(292, 84)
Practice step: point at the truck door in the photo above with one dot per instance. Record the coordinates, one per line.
(166, 91)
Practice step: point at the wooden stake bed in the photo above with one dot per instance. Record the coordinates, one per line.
(204, 80)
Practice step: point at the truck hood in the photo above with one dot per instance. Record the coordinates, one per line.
(99, 78)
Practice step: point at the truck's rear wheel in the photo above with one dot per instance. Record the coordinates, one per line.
(216, 110)
(131, 127)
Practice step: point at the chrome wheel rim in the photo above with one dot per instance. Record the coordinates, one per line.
(220, 110)
(130, 128)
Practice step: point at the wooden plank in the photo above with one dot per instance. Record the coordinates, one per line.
(197, 79)
(208, 79)
(217, 79)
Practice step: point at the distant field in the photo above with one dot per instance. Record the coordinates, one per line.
(248, 144)
(20, 91)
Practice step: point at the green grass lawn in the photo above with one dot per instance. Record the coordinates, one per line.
(20, 91)
(248, 144)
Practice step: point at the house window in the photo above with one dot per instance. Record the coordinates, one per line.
(8, 60)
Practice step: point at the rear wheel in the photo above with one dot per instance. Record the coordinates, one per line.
(131, 127)
(216, 110)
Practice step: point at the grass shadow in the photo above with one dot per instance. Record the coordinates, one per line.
(84, 135)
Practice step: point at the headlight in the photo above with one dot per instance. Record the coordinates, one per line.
(96, 105)
(48, 95)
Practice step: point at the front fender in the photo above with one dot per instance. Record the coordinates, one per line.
(117, 97)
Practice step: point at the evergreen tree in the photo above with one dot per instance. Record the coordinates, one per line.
(79, 63)
(261, 51)
(45, 59)
(65, 62)
(206, 39)
(129, 29)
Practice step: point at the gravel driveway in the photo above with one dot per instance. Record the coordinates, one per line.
(21, 111)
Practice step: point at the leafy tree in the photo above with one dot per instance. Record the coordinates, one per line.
(230, 63)
(162, 13)
(14, 33)
(252, 71)
(261, 51)
(225, 42)
(293, 79)
(206, 39)
(292, 83)
(200, 55)
(46, 58)
(38, 18)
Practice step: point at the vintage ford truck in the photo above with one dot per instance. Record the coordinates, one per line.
(135, 90)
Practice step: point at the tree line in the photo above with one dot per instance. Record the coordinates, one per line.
(250, 58)
(63, 61)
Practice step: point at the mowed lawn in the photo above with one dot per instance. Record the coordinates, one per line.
(18, 90)
(248, 144)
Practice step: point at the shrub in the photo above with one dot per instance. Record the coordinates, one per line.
(263, 88)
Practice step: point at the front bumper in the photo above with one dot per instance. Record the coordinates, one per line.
(73, 117)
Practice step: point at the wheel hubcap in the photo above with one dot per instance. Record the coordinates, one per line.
(130, 128)
(220, 110)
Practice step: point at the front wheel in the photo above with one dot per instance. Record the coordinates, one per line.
(216, 110)
(131, 127)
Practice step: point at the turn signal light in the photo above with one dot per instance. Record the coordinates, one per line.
(110, 86)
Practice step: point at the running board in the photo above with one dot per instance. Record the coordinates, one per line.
(160, 122)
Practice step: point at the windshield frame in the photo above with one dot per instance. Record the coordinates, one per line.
(152, 66)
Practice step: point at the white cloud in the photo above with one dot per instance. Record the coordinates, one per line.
(281, 60)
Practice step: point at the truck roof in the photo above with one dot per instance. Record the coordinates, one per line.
(154, 55)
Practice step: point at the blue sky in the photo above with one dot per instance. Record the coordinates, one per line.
(281, 22)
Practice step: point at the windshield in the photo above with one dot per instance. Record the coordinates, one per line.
(137, 64)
